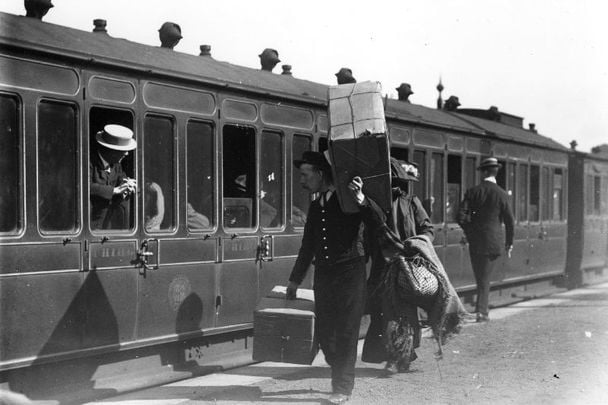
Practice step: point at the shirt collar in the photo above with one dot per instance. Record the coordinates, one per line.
(105, 164)
(491, 179)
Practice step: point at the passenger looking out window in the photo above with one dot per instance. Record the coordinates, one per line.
(111, 189)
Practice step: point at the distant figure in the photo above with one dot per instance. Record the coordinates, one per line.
(451, 104)
(482, 212)
(169, 34)
(37, 8)
(111, 189)
(345, 76)
(404, 91)
(269, 59)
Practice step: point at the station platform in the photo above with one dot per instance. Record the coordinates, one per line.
(549, 350)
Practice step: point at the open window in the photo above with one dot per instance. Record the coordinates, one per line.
(113, 213)
(437, 200)
(239, 175)
(58, 174)
(522, 193)
(300, 196)
(534, 193)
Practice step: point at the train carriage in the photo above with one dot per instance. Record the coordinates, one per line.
(219, 213)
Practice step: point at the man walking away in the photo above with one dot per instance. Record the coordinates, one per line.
(482, 212)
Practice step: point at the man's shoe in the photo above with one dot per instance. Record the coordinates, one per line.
(483, 318)
(338, 398)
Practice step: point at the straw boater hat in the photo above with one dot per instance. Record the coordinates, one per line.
(489, 162)
(116, 137)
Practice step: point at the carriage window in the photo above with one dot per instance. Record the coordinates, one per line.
(522, 193)
(419, 186)
(436, 174)
(511, 184)
(11, 191)
(597, 195)
(199, 176)
(159, 174)
(300, 196)
(323, 144)
(454, 187)
(470, 171)
(588, 194)
(57, 168)
(271, 180)
(546, 200)
(558, 195)
(400, 153)
(239, 176)
(604, 201)
(534, 193)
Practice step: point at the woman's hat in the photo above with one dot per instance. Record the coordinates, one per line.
(489, 162)
(116, 137)
(404, 170)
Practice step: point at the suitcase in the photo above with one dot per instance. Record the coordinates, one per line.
(284, 330)
(359, 143)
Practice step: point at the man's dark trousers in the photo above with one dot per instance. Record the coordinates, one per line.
(483, 265)
(339, 304)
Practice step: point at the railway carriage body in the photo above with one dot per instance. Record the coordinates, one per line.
(219, 213)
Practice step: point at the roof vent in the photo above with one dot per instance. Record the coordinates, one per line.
(404, 91)
(269, 59)
(169, 34)
(451, 104)
(205, 50)
(532, 127)
(286, 70)
(37, 8)
(100, 26)
(345, 76)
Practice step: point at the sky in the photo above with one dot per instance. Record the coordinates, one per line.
(543, 60)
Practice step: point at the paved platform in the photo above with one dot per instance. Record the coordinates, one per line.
(552, 350)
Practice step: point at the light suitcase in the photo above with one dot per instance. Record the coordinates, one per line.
(284, 330)
(358, 143)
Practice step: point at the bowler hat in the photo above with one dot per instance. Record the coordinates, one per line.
(116, 137)
(489, 162)
(270, 54)
(312, 158)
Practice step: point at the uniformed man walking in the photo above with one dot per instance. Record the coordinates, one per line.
(482, 212)
(335, 241)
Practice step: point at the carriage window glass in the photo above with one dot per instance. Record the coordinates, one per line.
(239, 174)
(57, 168)
(511, 184)
(11, 191)
(501, 176)
(454, 188)
(470, 171)
(159, 189)
(300, 196)
(271, 180)
(558, 195)
(436, 200)
(547, 190)
(419, 188)
(534, 193)
(522, 194)
(597, 195)
(110, 212)
(200, 177)
(588, 194)
(604, 201)
(323, 144)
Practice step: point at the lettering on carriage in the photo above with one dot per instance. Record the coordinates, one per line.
(114, 252)
(241, 245)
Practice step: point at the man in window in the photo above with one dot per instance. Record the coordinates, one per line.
(111, 189)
